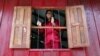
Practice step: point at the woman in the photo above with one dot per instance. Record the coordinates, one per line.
(52, 39)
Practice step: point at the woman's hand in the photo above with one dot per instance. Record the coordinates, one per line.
(52, 21)
(39, 23)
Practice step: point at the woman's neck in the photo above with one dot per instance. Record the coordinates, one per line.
(49, 19)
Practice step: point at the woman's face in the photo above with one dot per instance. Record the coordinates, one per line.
(49, 14)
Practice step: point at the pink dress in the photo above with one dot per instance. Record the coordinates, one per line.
(52, 39)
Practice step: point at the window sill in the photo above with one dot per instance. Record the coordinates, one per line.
(49, 49)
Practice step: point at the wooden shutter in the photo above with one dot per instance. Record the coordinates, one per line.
(20, 34)
(77, 27)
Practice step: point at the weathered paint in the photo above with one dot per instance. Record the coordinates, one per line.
(92, 8)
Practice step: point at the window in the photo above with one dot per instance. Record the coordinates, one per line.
(48, 36)
(68, 26)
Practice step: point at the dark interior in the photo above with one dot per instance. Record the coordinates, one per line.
(37, 38)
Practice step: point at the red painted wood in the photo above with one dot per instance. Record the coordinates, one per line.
(50, 3)
(78, 51)
(35, 53)
(6, 28)
(1, 9)
(92, 8)
(1, 13)
(61, 3)
(65, 53)
(94, 48)
(21, 52)
(23, 2)
(96, 10)
(37, 3)
(50, 53)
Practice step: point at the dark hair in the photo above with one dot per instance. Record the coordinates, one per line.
(47, 12)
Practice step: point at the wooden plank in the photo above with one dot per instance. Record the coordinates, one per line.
(37, 3)
(81, 28)
(1, 17)
(50, 3)
(5, 28)
(14, 17)
(35, 53)
(47, 53)
(51, 7)
(50, 52)
(25, 3)
(21, 52)
(21, 27)
(96, 11)
(70, 43)
(65, 53)
(85, 38)
(77, 27)
(27, 26)
(18, 28)
(50, 49)
(1, 10)
(61, 3)
(43, 27)
(55, 53)
(24, 51)
(78, 52)
(1, 14)
(93, 49)
(74, 32)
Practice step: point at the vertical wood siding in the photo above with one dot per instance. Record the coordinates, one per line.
(92, 8)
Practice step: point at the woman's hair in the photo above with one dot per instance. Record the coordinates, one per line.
(46, 14)
(49, 11)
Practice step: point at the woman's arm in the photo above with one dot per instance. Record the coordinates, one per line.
(39, 24)
(54, 22)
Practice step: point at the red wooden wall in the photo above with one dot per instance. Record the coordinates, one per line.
(92, 8)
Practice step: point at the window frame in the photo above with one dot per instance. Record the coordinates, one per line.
(36, 27)
(68, 15)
